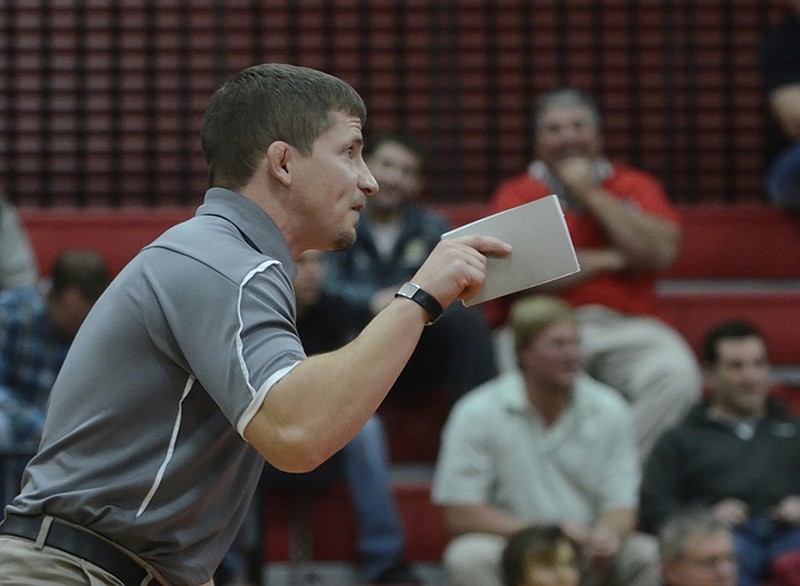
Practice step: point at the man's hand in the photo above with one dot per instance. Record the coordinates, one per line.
(602, 546)
(578, 175)
(456, 268)
(788, 510)
(731, 511)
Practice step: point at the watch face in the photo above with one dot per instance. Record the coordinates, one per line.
(408, 290)
(424, 299)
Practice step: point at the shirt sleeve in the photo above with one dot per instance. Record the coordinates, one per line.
(464, 470)
(661, 484)
(237, 342)
(622, 473)
(642, 190)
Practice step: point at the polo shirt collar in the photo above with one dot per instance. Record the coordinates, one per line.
(254, 222)
(513, 397)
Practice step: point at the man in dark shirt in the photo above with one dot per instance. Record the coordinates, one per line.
(738, 455)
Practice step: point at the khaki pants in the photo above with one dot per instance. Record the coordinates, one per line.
(645, 360)
(23, 564)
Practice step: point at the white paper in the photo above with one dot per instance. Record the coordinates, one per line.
(542, 249)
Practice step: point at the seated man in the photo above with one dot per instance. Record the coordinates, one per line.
(737, 454)
(395, 234)
(697, 550)
(625, 232)
(542, 445)
(36, 330)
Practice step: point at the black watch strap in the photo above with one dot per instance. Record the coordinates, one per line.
(423, 298)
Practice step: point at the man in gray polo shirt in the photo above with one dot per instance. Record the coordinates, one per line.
(189, 371)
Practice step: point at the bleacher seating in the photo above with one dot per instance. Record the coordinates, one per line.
(736, 261)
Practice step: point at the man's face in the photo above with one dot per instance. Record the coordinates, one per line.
(309, 278)
(398, 172)
(563, 571)
(567, 131)
(709, 560)
(739, 380)
(553, 356)
(69, 309)
(329, 187)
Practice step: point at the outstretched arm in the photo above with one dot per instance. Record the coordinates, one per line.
(325, 400)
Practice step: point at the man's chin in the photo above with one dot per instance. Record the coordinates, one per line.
(345, 241)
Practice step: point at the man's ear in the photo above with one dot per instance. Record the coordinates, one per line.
(279, 155)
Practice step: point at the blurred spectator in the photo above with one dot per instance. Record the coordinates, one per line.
(541, 556)
(779, 61)
(737, 454)
(697, 550)
(395, 234)
(17, 261)
(36, 330)
(326, 322)
(625, 232)
(542, 445)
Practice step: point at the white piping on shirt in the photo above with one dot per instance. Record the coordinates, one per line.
(170, 450)
(239, 344)
(257, 395)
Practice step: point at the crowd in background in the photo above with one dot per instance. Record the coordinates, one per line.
(604, 452)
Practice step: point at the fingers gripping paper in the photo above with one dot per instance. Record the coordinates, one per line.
(542, 249)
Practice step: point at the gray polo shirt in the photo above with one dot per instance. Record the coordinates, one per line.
(143, 435)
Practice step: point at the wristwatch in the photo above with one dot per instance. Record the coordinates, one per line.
(423, 298)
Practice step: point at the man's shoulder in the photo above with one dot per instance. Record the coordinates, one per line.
(600, 395)
(488, 399)
(685, 431)
(624, 172)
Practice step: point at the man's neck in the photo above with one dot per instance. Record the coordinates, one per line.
(549, 401)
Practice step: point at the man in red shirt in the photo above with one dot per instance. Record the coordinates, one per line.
(625, 232)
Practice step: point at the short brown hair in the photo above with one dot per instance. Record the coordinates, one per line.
(265, 103)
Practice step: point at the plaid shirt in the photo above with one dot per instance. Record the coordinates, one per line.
(31, 354)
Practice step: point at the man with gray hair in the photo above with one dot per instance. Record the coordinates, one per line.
(697, 550)
(626, 233)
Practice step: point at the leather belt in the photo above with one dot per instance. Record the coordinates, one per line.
(80, 543)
